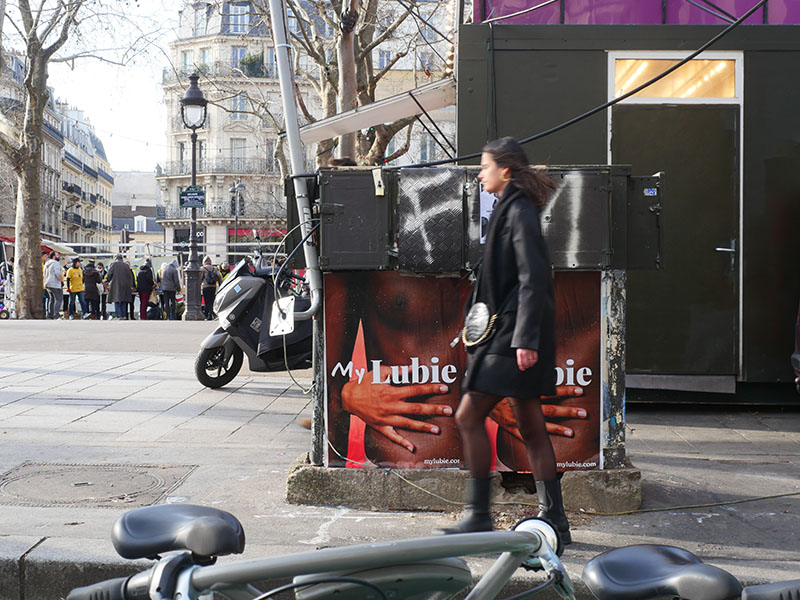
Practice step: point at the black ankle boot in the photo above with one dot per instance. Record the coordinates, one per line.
(478, 517)
(551, 507)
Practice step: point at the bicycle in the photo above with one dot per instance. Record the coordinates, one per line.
(429, 568)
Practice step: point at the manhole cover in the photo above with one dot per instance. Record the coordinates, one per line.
(52, 484)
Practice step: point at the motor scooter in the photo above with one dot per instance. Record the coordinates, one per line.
(243, 306)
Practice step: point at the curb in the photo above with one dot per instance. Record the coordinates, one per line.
(600, 491)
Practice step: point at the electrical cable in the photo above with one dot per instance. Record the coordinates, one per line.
(491, 114)
(596, 514)
(425, 112)
(418, 16)
(719, 9)
(611, 103)
(275, 287)
(339, 579)
(433, 137)
(551, 579)
(520, 12)
(710, 11)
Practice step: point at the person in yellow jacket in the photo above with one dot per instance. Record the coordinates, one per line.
(76, 289)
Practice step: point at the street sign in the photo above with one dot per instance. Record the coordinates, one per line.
(193, 197)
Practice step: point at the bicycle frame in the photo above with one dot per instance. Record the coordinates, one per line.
(517, 547)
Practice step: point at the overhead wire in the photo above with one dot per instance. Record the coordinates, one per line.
(519, 12)
(433, 122)
(710, 11)
(613, 102)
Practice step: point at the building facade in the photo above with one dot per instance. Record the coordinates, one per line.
(86, 185)
(233, 54)
(136, 207)
(12, 103)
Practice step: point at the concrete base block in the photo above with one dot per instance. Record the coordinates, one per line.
(443, 489)
(603, 491)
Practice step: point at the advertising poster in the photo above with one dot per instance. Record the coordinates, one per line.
(393, 379)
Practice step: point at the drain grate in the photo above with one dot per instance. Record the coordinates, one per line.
(82, 485)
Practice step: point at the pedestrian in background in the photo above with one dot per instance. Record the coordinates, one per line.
(170, 285)
(104, 296)
(53, 281)
(224, 269)
(93, 287)
(45, 295)
(76, 289)
(134, 291)
(210, 279)
(65, 290)
(120, 279)
(518, 361)
(145, 283)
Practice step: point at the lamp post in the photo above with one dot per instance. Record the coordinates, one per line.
(236, 191)
(193, 113)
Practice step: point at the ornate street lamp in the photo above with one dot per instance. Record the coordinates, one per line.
(193, 113)
(236, 191)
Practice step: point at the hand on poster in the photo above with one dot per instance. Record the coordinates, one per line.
(503, 415)
(384, 407)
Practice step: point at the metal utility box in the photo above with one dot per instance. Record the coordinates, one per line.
(431, 221)
(354, 221)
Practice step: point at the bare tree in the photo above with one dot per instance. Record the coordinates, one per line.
(334, 44)
(53, 30)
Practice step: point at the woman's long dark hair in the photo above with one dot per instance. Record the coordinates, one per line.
(533, 181)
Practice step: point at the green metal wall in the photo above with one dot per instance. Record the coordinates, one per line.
(544, 75)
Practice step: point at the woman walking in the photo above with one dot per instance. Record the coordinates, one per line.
(517, 360)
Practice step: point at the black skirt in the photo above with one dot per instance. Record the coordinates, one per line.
(499, 375)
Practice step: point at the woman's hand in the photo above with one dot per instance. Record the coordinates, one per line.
(384, 407)
(526, 358)
(503, 414)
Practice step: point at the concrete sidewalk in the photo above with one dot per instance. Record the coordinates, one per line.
(113, 418)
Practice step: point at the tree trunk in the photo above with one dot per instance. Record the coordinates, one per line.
(347, 74)
(27, 250)
(28, 257)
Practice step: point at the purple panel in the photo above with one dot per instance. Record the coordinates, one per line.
(681, 12)
(548, 15)
(636, 12)
(613, 12)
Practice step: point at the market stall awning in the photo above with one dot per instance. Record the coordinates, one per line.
(432, 96)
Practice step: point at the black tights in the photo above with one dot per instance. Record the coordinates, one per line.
(471, 417)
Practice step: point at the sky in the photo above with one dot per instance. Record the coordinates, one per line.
(125, 105)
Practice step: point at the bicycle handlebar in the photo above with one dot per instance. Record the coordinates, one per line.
(135, 587)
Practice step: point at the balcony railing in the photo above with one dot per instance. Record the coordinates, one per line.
(248, 210)
(71, 188)
(93, 198)
(233, 166)
(220, 69)
(176, 212)
(71, 218)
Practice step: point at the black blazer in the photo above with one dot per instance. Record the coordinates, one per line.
(516, 279)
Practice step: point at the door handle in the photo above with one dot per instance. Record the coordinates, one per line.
(731, 251)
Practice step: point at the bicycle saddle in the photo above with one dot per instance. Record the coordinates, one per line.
(152, 530)
(650, 571)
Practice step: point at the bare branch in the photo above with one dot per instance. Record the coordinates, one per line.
(69, 20)
(385, 35)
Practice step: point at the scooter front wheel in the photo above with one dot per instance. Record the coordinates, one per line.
(214, 370)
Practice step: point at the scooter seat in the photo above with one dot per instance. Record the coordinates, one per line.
(153, 530)
(650, 571)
